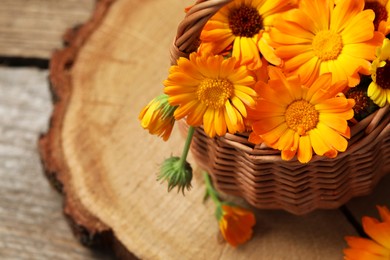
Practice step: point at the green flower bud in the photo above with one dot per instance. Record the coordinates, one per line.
(177, 172)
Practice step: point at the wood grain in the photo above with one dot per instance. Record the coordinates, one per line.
(107, 163)
(32, 225)
(34, 28)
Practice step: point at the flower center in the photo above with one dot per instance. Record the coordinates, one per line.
(383, 76)
(379, 10)
(245, 21)
(301, 116)
(327, 45)
(362, 101)
(215, 92)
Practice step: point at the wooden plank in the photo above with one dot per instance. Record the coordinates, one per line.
(34, 28)
(107, 162)
(32, 225)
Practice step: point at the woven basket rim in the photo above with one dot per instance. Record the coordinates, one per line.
(364, 134)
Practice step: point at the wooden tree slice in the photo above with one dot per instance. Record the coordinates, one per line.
(105, 164)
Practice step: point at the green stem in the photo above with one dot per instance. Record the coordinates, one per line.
(187, 145)
(210, 190)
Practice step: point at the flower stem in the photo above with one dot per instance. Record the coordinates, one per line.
(210, 189)
(187, 145)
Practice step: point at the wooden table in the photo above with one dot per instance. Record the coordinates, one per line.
(32, 225)
(31, 222)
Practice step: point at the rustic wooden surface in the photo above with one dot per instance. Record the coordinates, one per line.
(33, 28)
(32, 225)
(31, 222)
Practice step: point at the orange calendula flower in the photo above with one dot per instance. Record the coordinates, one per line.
(320, 37)
(376, 248)
(241, 23)
(157, 117)
(211, 91)
(297, 120)
(379, 89)
(381, 9)
(236, 224)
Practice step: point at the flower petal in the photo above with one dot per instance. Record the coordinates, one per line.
(378, 231)
(305, 151)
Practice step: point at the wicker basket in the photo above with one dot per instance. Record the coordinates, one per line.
(259, 175)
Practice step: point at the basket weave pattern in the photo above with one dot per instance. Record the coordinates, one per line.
(262, 178)
(259, 175)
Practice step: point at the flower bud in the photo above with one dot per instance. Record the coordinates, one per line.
(177, 172)
(157, 117)
(236, 223)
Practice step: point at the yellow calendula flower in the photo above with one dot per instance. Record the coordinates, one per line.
(211, 91)
(240, 24)
(297, 120)
(320, 37)
(379, 89)
(157, 117)
(376, 248)
(381, 9)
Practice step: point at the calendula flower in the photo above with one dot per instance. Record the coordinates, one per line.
(364, 106)
(157, 117)
(379, 89)
(297, 120)
(241, 24)
(376, 248)
(235, 223)
(320, 37)
(381, 9)
(212, 91)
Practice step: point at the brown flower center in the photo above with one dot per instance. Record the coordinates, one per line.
(327, 45)
(379, 10)
(301, 116)
(362, 102)
(214, 92)
(383, 76)
(245, 21)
